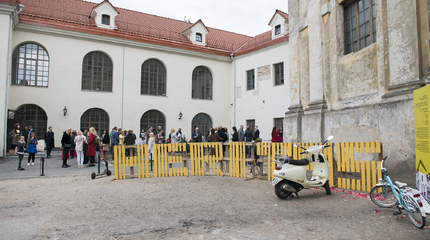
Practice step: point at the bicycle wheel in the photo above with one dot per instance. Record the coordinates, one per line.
(414, 212)
(383, 196)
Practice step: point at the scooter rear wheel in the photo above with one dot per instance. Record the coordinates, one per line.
(280, 192)
(327, 188)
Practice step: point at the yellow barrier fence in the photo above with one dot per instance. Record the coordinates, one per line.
(138, 158)
(206, 156)
(209, 157)
(363, 174)
(164, 158)
(237, 160)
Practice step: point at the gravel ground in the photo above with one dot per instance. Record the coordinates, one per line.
(70, 205)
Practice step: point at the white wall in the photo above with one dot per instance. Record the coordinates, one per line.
(65, 73)
(4, 42)
(277, 98)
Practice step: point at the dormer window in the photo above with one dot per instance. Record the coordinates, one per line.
(279, 24)
(197, 33)
(277, 29)
(105, 19)
(104, 15)
(199, 37)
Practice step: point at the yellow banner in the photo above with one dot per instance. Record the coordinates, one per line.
(421, 107)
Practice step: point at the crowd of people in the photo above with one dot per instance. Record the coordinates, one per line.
(83, 144)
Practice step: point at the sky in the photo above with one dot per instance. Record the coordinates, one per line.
(249, 17)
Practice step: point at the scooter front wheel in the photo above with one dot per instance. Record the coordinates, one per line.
(327, 188)
(280, 192)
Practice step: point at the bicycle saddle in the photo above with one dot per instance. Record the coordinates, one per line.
(400, 184)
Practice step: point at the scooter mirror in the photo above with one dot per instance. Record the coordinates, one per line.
(330, 138)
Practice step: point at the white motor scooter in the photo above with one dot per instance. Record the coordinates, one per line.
(290, 174)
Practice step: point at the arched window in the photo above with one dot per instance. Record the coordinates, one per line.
(202, 83)
(97, 118)
(153, 118)
(203, 122)
(153, 78)
(30, 65)
(97, 72)
(32, 115)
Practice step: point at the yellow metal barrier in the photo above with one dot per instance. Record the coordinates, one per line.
(367, 169)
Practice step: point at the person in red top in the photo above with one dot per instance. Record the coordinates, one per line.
(91, 152)
(275, 137)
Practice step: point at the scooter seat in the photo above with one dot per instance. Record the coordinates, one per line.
(301, 162)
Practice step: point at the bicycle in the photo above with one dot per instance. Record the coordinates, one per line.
(386, 194)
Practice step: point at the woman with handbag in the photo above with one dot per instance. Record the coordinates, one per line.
(91, 152)
(65, 143)
(106, 142)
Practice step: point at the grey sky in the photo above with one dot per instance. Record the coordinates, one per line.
(249, 17)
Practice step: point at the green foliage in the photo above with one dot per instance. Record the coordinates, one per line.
(185, 140)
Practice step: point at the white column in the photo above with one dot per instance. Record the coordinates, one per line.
(6, 11)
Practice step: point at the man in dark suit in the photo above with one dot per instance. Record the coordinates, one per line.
(248, 138)
(256, 133)
(197, 136)
(25, 133)
(49, 140)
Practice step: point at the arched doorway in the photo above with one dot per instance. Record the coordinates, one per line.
(203, 122)
(30, 115)
(153, 118)
(97, 118)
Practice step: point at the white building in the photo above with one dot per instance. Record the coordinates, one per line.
(115, 67)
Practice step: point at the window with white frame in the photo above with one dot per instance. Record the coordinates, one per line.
(30, 65)
(250, 80)
(279, 74)
(199, 37)
(97, 72)
(277, 29)
(201, 83)
(105, 19)
(153, 78)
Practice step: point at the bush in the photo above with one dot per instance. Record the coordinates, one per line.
(184, 140)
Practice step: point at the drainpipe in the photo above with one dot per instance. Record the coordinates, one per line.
(9, 57)
(234, 89)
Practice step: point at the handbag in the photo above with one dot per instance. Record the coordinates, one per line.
(106, 147)
(67, 145)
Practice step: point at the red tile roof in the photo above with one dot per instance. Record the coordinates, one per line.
(75, 15)
(260, 41)
(12, 2)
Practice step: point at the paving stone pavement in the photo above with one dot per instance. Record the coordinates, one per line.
(9, 167)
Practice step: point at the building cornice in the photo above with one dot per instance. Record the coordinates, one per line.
(7, 9)
(130, 41)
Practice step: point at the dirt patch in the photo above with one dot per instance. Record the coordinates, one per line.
(205, 207)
